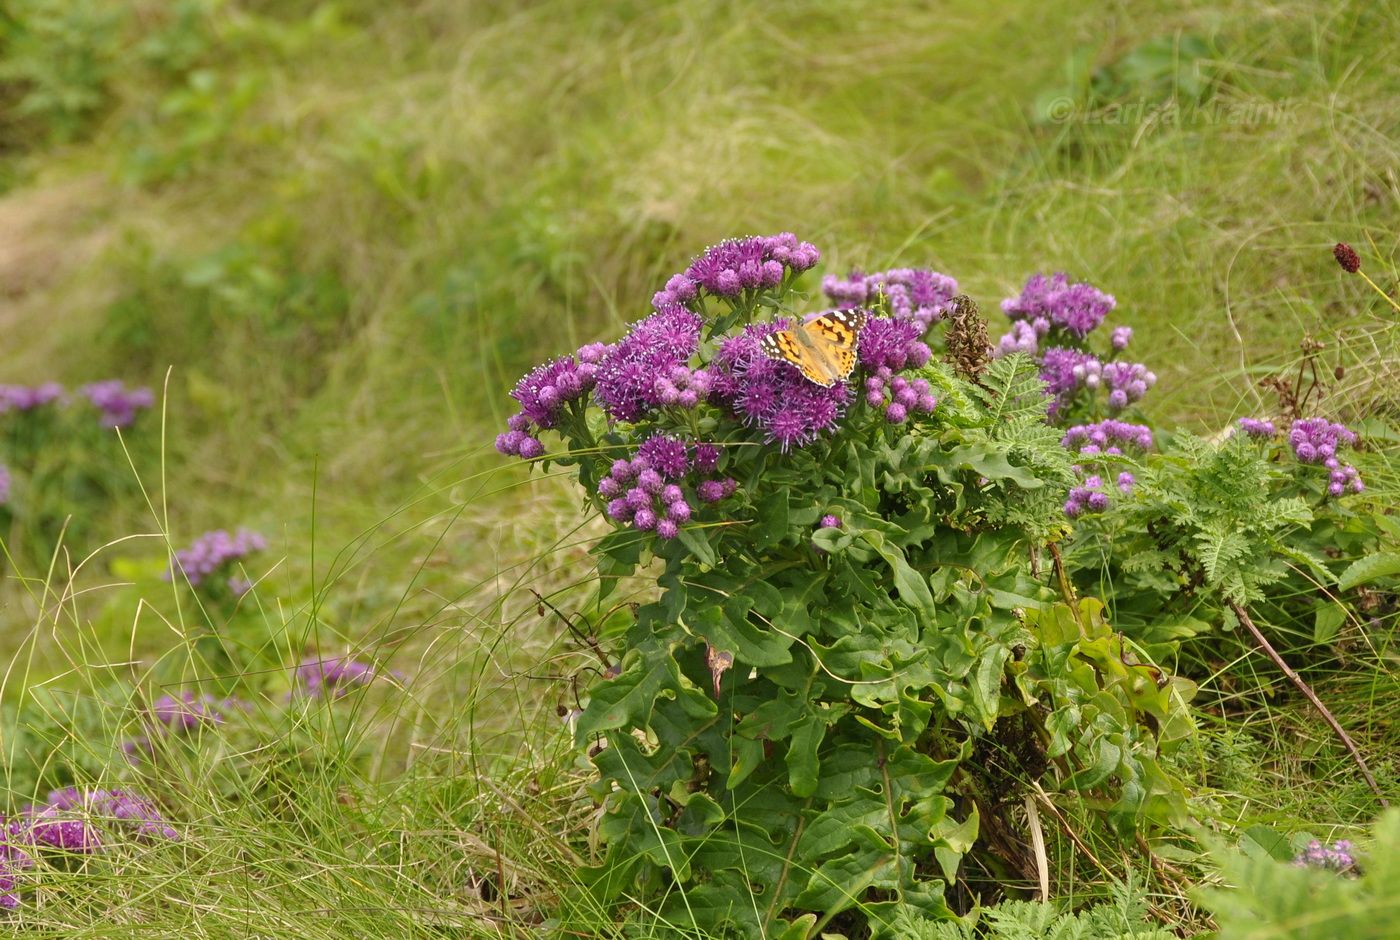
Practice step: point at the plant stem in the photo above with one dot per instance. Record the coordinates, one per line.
(1388, 299)
(1307, 691)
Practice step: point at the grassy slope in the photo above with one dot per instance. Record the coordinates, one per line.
(434, 201)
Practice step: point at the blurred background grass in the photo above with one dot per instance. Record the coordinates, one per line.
(336, 232)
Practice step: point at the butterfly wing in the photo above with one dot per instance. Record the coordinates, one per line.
(836, 337)
(788, 346)
(823, 349)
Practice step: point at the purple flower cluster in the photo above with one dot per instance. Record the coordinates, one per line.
(889, 345)
(172, 715)
(1077, 309)
(542, 394)
(1092, 494)
(643, 492)
(771, 394)
(916, 294)
(1051, 319)
(1317, 441)
(1338, 858)
(14, 857)
(1126, 382)
(28, 397)
(117, 403)
(336, 676)
(739, 264)
(1107, 437)
(190, 711)
(830, 522)
(131, 811)
(65, 822)
(212, 551)
(1256, 427)
(639, 372)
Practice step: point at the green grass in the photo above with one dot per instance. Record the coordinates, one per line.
(336, 233)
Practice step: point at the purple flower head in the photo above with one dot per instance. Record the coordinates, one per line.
(1127, 382)
(773, 395)
(119, 808)
(1317, 441)
(117, 403)
(544, 391)
(47, 827)
(830, 522)
(739, 264)
(189, 711)
(627, 378)
(916, 294)
(667, 455)
(1338, 858)
(1074, 308)
(890, 343)
(1106, 433)
(1021, 338)
(1121, 337)
(707, 457)
(214, 550)
(1255, 427)
(1065, 371)
(27, 397)
(333, 677)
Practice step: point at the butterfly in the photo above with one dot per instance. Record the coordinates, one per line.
(824, 348)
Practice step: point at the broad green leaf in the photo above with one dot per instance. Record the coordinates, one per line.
(1260, 841)
(1327, 621)
(697, 540)
(624, 701)
(802, 761)
(1368, 569)
(912, 586)
(728, 628)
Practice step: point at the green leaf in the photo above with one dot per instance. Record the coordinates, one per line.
(1107, 756)
(912, 586)
(840, 882)
(993, 465)
(1327, 621)
(695, 539)
(1262, 842)
(986, 684)
(728, 628)
(1368, 569)
(626, 700)
(802, 761)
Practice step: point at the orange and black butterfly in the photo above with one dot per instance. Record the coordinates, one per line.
(824, 348)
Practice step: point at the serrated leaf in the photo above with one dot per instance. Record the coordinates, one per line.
(1368, 569)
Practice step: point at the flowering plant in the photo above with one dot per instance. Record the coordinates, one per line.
(850, 656)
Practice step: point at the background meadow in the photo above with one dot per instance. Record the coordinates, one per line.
(330, 236)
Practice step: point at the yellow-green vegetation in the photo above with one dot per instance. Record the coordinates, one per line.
(331, 235)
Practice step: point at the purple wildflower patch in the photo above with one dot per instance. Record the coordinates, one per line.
(212, 552)
(117, 403)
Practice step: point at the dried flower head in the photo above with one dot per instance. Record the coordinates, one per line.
(1347, 257)
(969, 351)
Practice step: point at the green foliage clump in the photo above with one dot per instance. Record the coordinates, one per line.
(1271, 898)
(850, 668)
